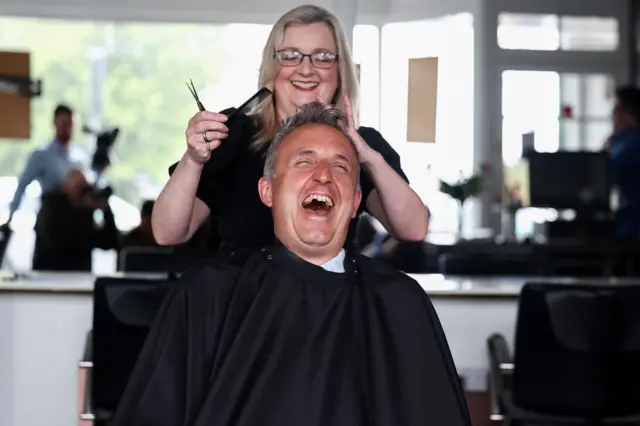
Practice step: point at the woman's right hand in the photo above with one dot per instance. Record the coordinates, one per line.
(205, 132)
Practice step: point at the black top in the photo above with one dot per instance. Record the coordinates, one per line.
(281, 342)
(229, 186)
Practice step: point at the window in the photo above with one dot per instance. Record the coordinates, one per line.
(550, 32)
(588, 33)
(530, 103)
(129, 75)
(450, 39)
(528, 31)
(588, 98)
(237, 66)
(366, 53)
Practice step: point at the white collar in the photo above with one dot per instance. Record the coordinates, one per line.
(335, 264)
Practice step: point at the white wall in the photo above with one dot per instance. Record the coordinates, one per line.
(248, 11)
(414, 10)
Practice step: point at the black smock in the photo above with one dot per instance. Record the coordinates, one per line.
(229, 187)
(281, 342)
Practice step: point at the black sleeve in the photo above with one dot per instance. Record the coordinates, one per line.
(375, 140)
(211, 190)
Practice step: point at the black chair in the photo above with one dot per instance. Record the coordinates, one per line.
(146, 259)
(576, 360)
(123, 311)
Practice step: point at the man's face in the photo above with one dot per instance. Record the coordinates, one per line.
(63, 123)
(314, 193)
(622, 117)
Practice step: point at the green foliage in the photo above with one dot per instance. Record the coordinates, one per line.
(463, 188)
(144, 91)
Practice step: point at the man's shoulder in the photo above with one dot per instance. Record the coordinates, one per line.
(389, 283)
(212, 273)
(380, 273)
(43, 150)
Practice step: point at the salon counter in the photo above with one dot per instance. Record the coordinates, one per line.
(436, 285)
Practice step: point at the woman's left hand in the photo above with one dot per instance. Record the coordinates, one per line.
(364, 151)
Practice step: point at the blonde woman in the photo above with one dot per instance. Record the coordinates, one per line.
(306, 58)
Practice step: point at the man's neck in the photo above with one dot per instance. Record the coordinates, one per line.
(316, 255)
(317, 259)
(62, 142)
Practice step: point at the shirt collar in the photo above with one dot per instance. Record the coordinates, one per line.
(56, 145)
(335, 264)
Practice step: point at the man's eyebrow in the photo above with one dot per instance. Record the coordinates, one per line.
(311, 153)
(342, 157)
(305, 153)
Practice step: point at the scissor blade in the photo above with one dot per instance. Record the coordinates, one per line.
(192, 89)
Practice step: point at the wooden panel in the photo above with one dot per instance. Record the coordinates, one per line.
(15, 109)
(423, 96)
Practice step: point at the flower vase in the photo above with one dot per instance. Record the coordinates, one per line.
(460, 232)
(508, 224)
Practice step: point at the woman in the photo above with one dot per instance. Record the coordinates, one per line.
(306, 58)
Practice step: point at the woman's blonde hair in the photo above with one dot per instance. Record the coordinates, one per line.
(265, 113)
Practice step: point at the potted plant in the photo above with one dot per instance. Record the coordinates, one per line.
(463, 189)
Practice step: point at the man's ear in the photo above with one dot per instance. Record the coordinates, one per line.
(356, 203)
(264, 189)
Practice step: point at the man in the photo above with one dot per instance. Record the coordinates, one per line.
(50, 164)
(302, 333)
(624, 151)
(66, 232)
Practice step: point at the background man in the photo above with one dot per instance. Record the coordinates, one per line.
(48, 165)
(624, 151)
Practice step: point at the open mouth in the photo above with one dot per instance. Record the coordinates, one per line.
(305, 85)
(318, 204)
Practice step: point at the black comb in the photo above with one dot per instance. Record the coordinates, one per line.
(252, 102)
(249, 105)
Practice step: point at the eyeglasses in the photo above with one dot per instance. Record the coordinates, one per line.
(293, 58)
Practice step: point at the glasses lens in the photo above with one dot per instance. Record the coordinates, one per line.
(289, 58)
(292, 58)
(323, 59)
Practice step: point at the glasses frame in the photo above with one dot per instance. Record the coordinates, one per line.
(323, 66)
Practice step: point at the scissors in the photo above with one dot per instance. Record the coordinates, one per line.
(192, 89)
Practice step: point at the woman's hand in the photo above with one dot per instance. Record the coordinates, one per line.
(365, 152)
(205, 132)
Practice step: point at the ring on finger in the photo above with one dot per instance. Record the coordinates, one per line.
(206, 139)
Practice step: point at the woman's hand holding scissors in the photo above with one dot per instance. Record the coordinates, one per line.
(205, 131)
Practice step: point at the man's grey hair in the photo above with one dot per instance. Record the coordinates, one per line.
(311, 113)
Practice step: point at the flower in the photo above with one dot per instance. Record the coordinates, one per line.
(566, 111)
